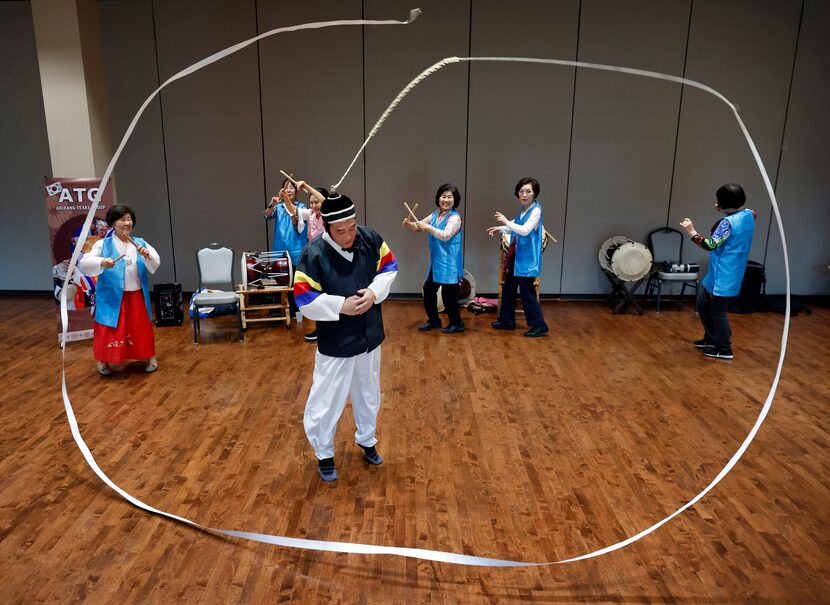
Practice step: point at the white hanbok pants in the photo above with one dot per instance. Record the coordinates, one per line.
(335, 379)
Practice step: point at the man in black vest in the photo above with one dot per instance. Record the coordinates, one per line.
(340, 281)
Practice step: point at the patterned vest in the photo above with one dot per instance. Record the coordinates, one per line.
(350, 335)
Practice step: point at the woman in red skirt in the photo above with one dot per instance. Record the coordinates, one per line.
(123, 316)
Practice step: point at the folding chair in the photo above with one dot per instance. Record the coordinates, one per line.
(666, 244)
(215, 263)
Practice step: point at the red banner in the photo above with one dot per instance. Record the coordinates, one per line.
(67, 204)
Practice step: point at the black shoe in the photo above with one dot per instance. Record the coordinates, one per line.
(724, 353)
(703, 344)
(326, 469)
(537, 331)
(429, 325)
(311, 336)
(500, 325)
(371, 455)
(454, 329)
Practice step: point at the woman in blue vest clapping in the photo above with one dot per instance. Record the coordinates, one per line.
(123, 316)
(523, 262)
(446, 266)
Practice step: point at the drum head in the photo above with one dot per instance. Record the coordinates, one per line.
(607, 249)
(505, 242)
(631, 261)
(467, 288)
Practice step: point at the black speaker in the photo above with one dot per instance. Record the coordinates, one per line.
(168, 304)
(749, 300)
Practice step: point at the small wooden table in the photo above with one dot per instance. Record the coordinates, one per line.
(263, 312)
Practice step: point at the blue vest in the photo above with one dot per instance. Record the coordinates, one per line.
(528, 261)
(727, 262)
(446, 257)
(285, 233)
(110, 286)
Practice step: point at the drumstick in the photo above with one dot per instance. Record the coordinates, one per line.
(411, 213)
(550, 236)
(115, 260)
(135, 243)
(289, 177)
(306, 186)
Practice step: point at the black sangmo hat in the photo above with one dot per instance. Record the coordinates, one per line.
(337, 208)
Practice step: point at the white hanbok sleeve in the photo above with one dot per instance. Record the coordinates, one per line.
(528, 227)
(324, 307)
(453, 227)
(303, 216)
(382, 284)
(90, 263)
(154, 261)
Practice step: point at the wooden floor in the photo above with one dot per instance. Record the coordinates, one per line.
(495, 445)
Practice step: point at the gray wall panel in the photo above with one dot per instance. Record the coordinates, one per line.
(804, 181)
(24, 156)
(129, 48)
(624, 131)
(422, 144)
(751, 66)
(520, 125)
(212, 129)
(312, 95)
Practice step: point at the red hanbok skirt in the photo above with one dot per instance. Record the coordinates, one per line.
(131, 339)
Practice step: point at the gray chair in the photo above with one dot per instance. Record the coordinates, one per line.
(666, 244)
(216, 263)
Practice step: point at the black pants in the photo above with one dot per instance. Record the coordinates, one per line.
(714, 315)
(449, 294)
(507, 311)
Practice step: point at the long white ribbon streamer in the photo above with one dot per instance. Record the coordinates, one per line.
(418, 553)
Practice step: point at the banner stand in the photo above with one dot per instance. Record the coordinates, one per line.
(68, 201)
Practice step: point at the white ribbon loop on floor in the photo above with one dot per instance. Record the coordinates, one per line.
(418, 553)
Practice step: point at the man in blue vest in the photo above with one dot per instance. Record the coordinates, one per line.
(341, 279)
(728, 248)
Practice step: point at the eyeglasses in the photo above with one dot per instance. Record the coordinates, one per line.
(528, 191)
